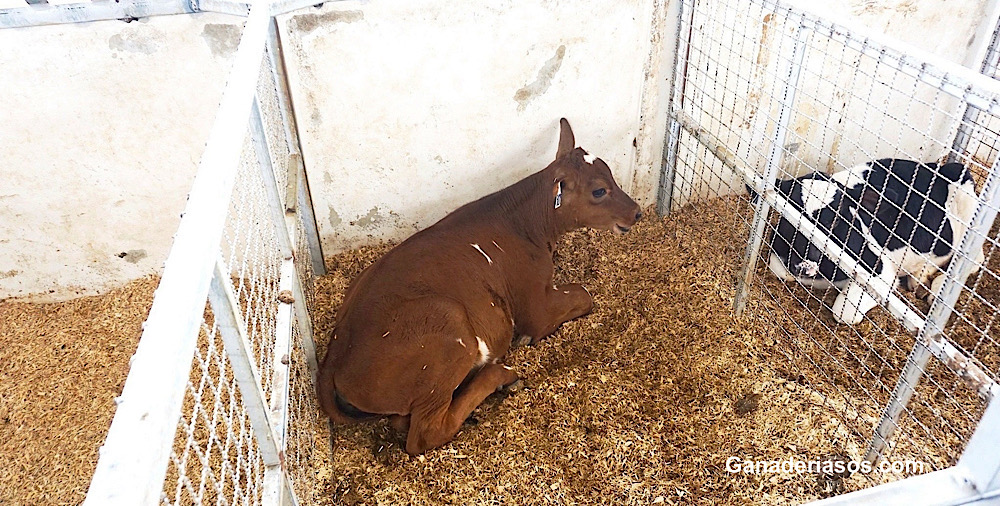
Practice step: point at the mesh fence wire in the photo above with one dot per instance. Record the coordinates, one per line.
(757, 79)
(216, 457)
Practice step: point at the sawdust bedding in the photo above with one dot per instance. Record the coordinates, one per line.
(645, 399)
(640, 402)
(63, 365)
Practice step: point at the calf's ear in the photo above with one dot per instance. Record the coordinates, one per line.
(566, 140)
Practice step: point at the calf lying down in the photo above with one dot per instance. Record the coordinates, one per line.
(898, 218)
(421, 331)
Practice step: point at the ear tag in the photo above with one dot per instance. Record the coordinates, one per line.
(559, 196)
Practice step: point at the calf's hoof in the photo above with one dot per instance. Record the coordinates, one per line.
(514, 387)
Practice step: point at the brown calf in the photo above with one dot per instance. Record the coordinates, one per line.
(421, 330)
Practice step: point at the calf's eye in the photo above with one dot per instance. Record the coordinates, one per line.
(600, 192)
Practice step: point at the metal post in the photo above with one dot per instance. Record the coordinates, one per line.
(258, 138)
(664, 197)
(980, 458)
(276, 486)
(228, 318)
(296, 165)
(988, 67)
(941, 309)
(791, 70)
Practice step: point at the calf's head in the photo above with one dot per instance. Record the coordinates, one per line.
(584, 193)
(828, 205)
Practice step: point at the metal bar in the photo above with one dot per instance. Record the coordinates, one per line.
(282, 351)
(931, 334)
(228, 318)
(305, 327)
(980, 458)
(279, 7)
(664, 200)
(947, 486)
(292, 188)
(275, 487)
(971, 115)
(258, 137)
(951, 78)
(302, 317)
(234, 7)
(901, 394)
(287, 107)
(284, 222)
(133, 460)
(38, 14)
(668, 170)
(791, 70)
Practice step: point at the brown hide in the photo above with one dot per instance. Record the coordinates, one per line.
(421, 330)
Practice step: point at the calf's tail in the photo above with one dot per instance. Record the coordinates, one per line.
(335, 407)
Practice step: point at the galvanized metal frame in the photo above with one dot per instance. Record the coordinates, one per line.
(683, 45)
(978, 473)
(300, 197)
(134, 458)
(790, 71)
(40, 12)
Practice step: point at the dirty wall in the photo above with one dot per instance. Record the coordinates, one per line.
(406, 110)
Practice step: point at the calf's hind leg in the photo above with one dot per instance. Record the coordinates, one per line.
(435, 425)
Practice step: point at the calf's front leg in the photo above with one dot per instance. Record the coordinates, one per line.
(854, 301)
(551, 306)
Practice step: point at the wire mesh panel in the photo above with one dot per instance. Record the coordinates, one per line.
(215, 459)
(873, 259)
(227, 351)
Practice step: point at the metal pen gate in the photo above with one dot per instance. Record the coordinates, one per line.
(218, 406)
(766, 90)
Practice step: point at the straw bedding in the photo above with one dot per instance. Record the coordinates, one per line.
(640, 402)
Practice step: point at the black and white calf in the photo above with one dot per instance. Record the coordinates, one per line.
(897, 218)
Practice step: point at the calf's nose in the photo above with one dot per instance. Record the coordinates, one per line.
(638, 215)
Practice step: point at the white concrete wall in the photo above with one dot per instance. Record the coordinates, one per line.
(408, 110)
(102, 126)
(847, 110)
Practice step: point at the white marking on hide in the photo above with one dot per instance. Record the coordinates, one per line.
(497, 245)
(589, 158)
(817, 194)
(484, 351)
(488, 259)
(852, 176)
